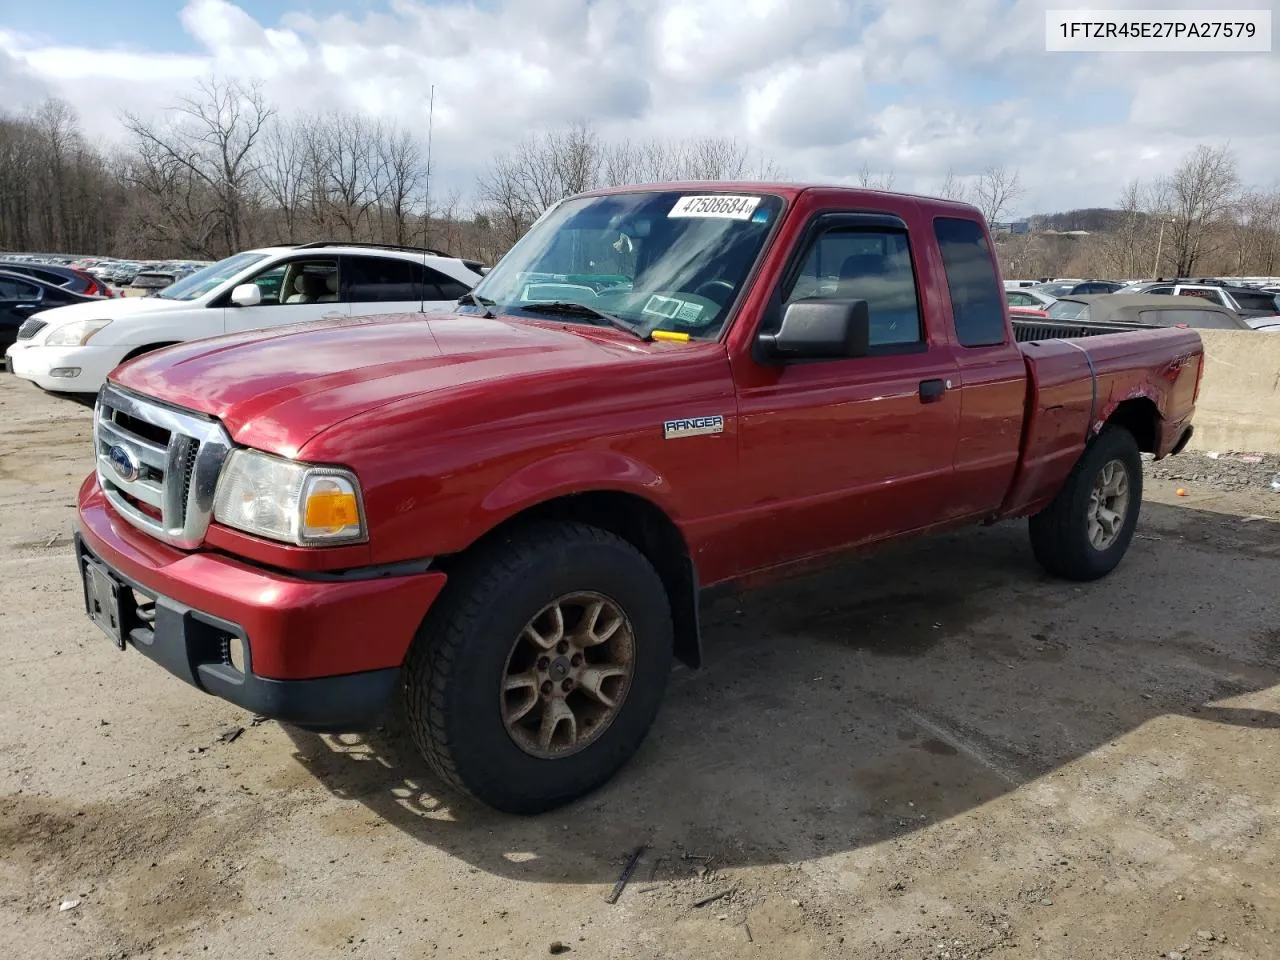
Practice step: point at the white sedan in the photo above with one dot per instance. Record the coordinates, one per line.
(72, 349)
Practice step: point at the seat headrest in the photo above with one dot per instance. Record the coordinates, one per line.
(307, 284)
(862, 265)
(331, 282)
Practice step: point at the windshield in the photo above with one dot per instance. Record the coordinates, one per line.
(1069, 310)
(202, 281)
(658, 260)
(1055, 289)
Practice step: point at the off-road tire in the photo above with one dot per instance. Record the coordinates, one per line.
(1059, 533)
(454, 670)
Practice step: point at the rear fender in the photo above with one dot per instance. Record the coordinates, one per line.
(1138, 392)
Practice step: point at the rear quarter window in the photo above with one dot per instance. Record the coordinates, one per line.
(1255, 301)
(977, 299)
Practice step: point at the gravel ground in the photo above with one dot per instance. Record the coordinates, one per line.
(1223, 471)
(933, 752)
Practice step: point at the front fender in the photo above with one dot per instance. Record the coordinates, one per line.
(577, 471)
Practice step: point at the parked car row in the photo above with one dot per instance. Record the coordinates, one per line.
(1239, 304)
(72, 349)
(104, 273)
(1147, 309)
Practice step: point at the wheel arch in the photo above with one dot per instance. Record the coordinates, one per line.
(1141, 417)
(643, 524)
(147, 348)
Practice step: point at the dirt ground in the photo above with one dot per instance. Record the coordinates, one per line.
(933, 751)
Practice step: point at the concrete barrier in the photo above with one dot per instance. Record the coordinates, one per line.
(1239, 405)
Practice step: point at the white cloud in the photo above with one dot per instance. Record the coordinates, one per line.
(823, 86)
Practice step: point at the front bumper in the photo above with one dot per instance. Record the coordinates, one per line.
(34, 362)
(320, 654)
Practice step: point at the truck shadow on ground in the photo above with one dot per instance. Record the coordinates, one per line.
(887, 694)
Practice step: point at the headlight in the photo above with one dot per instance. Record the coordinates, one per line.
(289, 501)
(75, 334)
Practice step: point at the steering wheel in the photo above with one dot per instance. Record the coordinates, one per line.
(723, 284)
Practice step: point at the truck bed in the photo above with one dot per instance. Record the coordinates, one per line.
(1026, 331)
(1074, 387)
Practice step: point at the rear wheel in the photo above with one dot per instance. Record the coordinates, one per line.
(1084, 533)
(542, 671)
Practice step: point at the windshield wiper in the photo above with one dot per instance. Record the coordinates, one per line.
(470, 299)
(573, 308)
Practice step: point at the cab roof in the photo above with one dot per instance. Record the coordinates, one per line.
(789, 191)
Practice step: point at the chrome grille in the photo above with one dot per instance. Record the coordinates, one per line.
(154, 456)
(30, 328)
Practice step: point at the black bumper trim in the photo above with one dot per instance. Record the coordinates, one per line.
(192, 645)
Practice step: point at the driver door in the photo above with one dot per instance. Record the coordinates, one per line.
(848, 451)
(295, 291)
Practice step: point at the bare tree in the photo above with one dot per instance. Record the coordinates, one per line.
(210, 140)
(1253, 225)
(996, 190)
(349, 179)
(403, 163)
(703, 158)
(56, 124)
(1120, 252)
(953, 188)
(1200, 192)
(876, 181)
(284, 174)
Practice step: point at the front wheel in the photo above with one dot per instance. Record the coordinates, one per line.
(1084, 533)
(542, 671)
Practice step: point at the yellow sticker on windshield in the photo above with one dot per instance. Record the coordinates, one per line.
(722, 206)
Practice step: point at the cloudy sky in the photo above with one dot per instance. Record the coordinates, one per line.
(822, 86)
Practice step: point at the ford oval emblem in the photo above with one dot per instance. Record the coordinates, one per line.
(124, 462)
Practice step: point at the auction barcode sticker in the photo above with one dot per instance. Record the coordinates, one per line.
(1155, 31)
(715, 205)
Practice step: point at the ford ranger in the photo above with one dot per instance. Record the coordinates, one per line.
(503, 516)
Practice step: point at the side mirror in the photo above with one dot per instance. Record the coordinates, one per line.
(820, 328)
(246, 295)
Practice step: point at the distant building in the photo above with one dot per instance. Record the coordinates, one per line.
(1016, 228)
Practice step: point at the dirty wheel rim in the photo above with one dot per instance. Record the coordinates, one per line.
(1108, 505)
(568, 674)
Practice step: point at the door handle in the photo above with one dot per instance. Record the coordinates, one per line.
(332, 316)
(931, 391)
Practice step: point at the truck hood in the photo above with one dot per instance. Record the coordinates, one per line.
(275, 390)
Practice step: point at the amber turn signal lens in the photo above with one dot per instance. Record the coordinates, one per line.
(331, 510)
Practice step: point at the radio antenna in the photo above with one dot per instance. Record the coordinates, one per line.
(426, 201)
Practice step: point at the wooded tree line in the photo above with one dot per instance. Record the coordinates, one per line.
(224, 170)
(1198, 221)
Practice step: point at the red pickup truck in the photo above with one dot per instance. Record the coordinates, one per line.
(505, 515)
